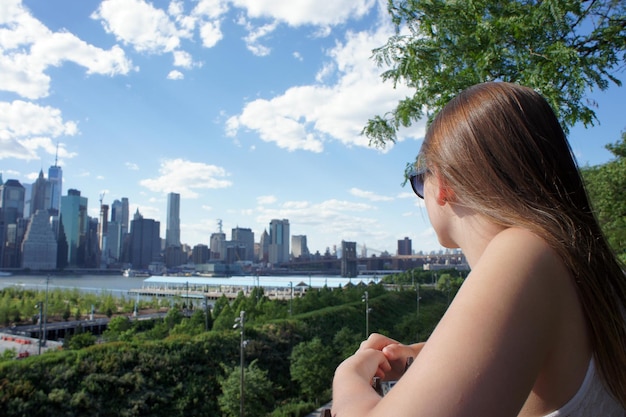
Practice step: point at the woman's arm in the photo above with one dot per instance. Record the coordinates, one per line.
(486, 353)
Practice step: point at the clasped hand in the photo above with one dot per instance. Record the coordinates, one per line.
(382, 357)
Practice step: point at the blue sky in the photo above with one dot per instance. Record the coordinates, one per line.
(250, 109)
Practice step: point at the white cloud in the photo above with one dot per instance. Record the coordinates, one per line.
(26, 127)
(334, 219)
(175, 75)
(306, 12)
(186, 177)
(210, 33)
(28, 48)
(132, 166)
(140, 24)
(255, 34)
(183, 59)
(369, 195)
(303, 117)
(266, 199)
(212, 9)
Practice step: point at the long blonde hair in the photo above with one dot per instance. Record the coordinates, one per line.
(500, 147)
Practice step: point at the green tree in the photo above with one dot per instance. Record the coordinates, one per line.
(562, 48)
(81, 340)
(117, 326)
(606, 185)
(449, 285)
(313, 364)
(191, 326)
(258, 392)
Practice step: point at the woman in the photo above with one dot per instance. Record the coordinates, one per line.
(537, 328)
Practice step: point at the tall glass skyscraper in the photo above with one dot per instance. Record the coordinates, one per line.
(279, 241)
(172, 231)
(55, 178)
(74, 218)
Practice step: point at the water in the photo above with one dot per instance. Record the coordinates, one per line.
(119, 285)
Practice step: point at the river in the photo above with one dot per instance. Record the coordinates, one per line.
(120, 285)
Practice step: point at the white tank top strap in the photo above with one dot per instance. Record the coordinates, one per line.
(592, 399)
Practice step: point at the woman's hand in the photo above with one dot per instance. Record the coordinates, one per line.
(395, 352)
(353, 394)
(366, 363)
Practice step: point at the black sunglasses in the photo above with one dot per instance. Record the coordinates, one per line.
(417, 181)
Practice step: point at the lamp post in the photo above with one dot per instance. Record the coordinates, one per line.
(290, 297)
(45, 315)
(417, 288)
(187, 302)
(206, 313)
(240, 323)
(40, 307)
(367, 314)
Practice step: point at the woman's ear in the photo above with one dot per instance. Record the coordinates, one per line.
(445, 194)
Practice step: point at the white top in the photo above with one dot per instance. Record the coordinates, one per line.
(591, 400)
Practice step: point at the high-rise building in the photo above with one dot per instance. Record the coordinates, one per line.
(299, 247)
(172, 231)
(75, 223)
(145, 241)
(40, 195)
(218, 246)
(55, 180)
(244, 237)
(12, 196)
(279, 241)
(119, 214)
(117, 229)
(114, 241)
(39, 248)
(217, 243)
(404, 246)
(116, 211)
(264, 245)
(200, 254)
(103, 228)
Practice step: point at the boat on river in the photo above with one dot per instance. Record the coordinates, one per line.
(133, 273)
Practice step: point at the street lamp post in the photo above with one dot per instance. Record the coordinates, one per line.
(290, 298)
(45, 315)
(240, 323)
(206, 313)
(367, 314)
(187, 301)
(40, 306)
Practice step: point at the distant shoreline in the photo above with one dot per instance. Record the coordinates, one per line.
(56, 272)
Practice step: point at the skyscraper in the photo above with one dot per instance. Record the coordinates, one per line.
(145, 241)
(103, 227)
(39, 248)
(404, 246)
(119, 214)
(55, 179)
(172, 231)
(39, 195)
(264, 245)
(12, 195)
(244, 237)
(279, 241)
(75, 223)
(299, 247)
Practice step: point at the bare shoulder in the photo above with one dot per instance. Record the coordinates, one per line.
(521, 250)
(508, 316)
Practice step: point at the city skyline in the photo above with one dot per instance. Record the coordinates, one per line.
(250, 111)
